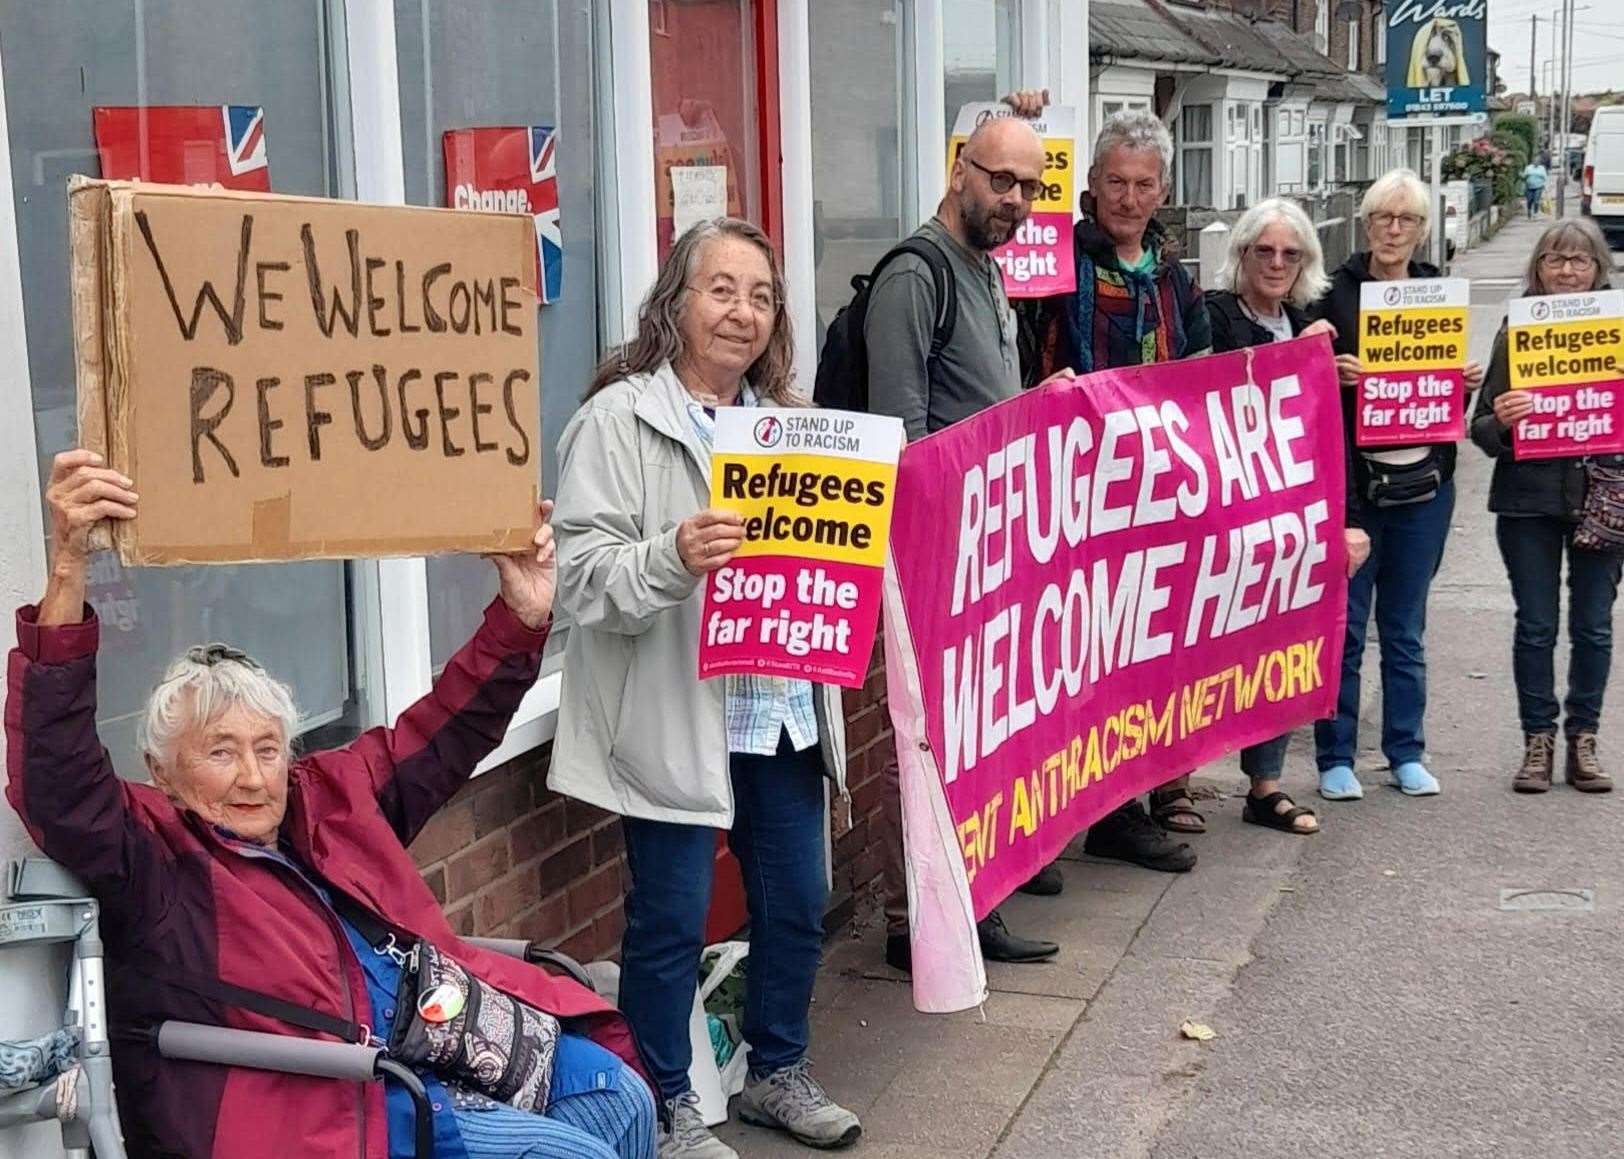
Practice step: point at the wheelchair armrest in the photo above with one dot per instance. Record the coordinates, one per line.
(275, 1052)
(555, 960)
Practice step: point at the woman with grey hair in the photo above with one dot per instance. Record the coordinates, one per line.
(1404, 497)
(1273, 271)
(1537, 503)
(640, 735)
(250, 888)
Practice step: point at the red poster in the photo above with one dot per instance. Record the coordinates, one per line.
(511, 170)
(184, 145)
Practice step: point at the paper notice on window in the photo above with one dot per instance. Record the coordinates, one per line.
(698, 193)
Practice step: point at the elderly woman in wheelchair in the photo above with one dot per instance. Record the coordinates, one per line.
(249, 889)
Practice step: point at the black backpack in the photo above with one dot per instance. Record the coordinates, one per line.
(842, 379)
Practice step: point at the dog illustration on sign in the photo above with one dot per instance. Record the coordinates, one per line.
(1438, 56)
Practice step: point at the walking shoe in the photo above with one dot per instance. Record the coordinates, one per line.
(899, 952)
(1539, 755)
(792, 1100)
(1338, 783)
(1584, 768)
(1413, 780)
(685, 1135)
(999, 945)
(1130, 835)
(1046, 882)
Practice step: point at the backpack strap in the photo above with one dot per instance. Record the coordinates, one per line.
(945, 284)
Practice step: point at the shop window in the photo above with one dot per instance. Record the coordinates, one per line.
(857, 150)
(486, 64)
(67, 58)
(980, 45)
(1195, 155)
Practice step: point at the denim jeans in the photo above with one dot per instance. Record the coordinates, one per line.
(1266, 760)
(1532, 547)
(1532, 197)
(777, 836)
(1406, 549)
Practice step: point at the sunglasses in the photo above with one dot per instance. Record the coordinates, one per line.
(1002, 181)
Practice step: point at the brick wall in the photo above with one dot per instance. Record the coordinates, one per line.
(509, 859)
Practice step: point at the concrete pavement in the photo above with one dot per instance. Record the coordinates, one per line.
(1371, 994)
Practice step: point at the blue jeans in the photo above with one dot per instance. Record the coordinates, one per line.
(1266, 760)
(1532, 547)
(1532, 195)
(777, 836)
(1406, 549)
(613, 1122)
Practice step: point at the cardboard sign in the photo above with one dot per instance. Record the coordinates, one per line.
(511, 170)
(1412, 342)
(221, 145)
(1038, 261)
(299, 378)
(1094, 587)
(1567, 350)
(801, 599)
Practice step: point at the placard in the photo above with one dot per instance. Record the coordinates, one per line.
(511, 170)
(1567, 351)
(1412, 344)
(222, 145)
(1039, 260)
(302, 378)
(801, 598)
(1094, 587)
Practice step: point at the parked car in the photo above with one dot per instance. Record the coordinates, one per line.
(1602, 195)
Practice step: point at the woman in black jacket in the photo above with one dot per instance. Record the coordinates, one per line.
(1274, 269)
(1538, 503)
(1406, 497)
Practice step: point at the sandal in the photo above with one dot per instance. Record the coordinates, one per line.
(1266, 811)
(1175, 812)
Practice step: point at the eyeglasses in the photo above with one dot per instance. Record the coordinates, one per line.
(209, 655)
(759, 300)
(1002, 181)
(1408, 221)
(1267, 254)
(1581, 263)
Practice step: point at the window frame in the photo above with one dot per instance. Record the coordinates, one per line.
(1208, 146)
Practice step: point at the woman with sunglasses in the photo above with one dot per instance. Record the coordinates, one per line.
(1537, 503)
(251, 887)
(1406, 496)
(1274, 270)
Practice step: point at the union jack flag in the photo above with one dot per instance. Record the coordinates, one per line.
(544, 206)
(184, 144)
(245, 137)
(513, 169)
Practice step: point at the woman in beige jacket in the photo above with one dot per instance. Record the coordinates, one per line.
(641, 735)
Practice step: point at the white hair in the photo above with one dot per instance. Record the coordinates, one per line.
(1311, 280)
(200, 685)
(1397, 191)
(1135, 129)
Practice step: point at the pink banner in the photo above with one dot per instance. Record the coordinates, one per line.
(1572, 420)
(1095, 587)
(1402, 407)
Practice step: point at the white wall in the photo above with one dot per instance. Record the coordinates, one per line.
(30, 981)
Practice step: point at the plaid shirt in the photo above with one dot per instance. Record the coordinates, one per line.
(760, 709)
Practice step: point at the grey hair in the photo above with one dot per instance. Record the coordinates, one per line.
(195, 690)
(1311, 280)
(659, 333)
(1136, 129)
(1398, 185)
(1576, 233)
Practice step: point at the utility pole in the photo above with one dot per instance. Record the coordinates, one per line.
(1567, 108)
(1533, 53)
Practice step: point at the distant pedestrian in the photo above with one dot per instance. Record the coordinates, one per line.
(1408, 496)
(1274, 269)
(1538, 503)
(1534, 178)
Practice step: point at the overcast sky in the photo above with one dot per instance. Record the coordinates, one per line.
(1598, 42)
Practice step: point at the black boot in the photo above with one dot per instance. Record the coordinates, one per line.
(1130, 835)
(1046, 882)
(999, 945)
(899, 952)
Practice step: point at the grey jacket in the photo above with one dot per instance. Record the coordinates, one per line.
(639, 733)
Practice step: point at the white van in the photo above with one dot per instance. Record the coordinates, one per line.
(1602, 196)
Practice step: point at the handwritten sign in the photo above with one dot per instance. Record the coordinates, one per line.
(299, 378)
(1412, 342)
(1567, 351)
(801, 598)
(1038, 261)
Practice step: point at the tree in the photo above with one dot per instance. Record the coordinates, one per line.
(1522, 126)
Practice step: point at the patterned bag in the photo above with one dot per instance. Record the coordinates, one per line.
(1601, 526)
(471, 1033)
